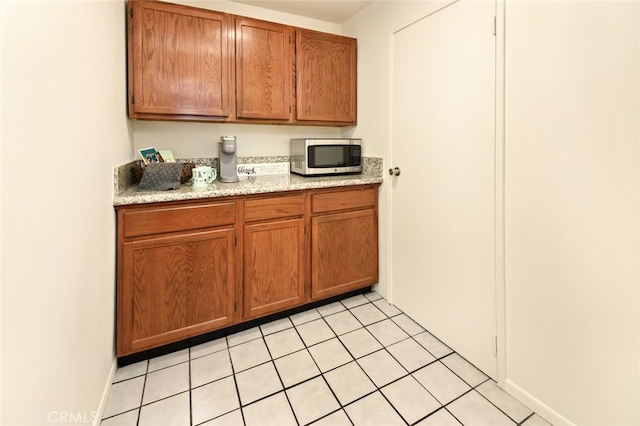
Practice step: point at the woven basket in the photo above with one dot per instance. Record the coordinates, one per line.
(137, 171)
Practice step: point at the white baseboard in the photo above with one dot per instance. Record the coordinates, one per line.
(105, 393)
(541, 409)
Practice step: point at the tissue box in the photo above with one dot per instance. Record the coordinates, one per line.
(160, 177)
(137, 170)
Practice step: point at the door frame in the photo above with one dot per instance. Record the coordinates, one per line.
(499, 181)
(501, 306)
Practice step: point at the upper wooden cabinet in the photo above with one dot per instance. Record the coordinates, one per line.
(179, 62)
(325, 77)
(264, 53)
(187, 63)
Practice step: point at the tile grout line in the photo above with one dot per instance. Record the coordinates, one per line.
(232, 375)
(153, 402)
(476, 391)
(214, 352)
(190, 381)
(168, 366)
(278, 373)
(235, 382)
(144, 386)
(451, 414)
(329, 414)
(526, 418)
(442, 407)
(142, 405)
(139, 407)
(393, 406)
(498, 408)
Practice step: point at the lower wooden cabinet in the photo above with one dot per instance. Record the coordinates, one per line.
(344, 240)
(175, 287)
(344, 252)
(187, 268)
(274, 255)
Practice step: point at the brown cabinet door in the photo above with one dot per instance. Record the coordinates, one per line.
(325, 77)
(179, 61)
(344, 252)
(263, 70)
(273, 266)
(175, 287)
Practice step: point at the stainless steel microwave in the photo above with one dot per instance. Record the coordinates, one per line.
(311, 157)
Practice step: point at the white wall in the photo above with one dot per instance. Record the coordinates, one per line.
(64, 127)
(573, 330)
(264, 14)
(201, 139)
(195, 140)
(572, 191)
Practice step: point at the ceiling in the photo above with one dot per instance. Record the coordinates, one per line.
(336, 11)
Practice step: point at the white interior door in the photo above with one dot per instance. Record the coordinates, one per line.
(442, 204)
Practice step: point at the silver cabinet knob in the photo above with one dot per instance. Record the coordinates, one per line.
(395, 171)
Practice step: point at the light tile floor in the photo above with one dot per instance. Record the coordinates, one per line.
(359, 361)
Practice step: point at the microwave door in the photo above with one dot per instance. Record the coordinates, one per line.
(327, 156)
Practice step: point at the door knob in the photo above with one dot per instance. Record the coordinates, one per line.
(395, 171)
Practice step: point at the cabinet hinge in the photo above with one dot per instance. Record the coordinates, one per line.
(235, 241)
(131, 12)
(133, 100)
(235, 306)
(495, 344)
(495, 25)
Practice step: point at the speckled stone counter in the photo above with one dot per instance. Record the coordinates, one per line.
(125, 193)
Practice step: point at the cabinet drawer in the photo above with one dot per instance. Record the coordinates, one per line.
(273, 208)
(160, 220)
(343, 200)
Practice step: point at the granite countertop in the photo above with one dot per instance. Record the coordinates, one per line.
(127, 194)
